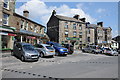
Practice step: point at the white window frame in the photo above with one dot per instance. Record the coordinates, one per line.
(6, 19)
(7, 3)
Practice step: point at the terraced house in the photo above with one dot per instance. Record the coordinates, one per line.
(64, 29)
(77, 31)
(17, 27)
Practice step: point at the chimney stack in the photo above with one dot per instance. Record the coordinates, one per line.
(76, 16)
(54, 12)
(83, 19)
(100, 24)
(26, 13)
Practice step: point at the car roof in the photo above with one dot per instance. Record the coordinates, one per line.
(22, 43)
(44, 44)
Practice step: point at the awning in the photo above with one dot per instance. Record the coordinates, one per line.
(7, 28)
(7, 34)
(29, 33)
(3, 33)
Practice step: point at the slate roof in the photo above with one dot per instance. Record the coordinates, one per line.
(68, 18)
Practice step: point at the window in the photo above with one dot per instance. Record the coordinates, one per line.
(74, 34)
(31, 27)
(66, 33)
(5, 19)
(22, 24)
(66, 25)
(35, 28)
(80, 36)
(74, 26)
(80, 33)
(6, 4)
(80, 27)
(88, 31)
(88, 39)
(26, 26)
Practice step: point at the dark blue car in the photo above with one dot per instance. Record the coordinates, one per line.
(58, 48)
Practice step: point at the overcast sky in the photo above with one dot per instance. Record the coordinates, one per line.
(93, 11)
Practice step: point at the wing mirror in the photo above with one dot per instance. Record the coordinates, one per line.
(19, 49)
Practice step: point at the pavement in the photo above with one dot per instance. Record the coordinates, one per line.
(77, 65)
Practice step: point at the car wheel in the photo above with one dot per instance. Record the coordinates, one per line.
(42, 55)
(12, 54)
(56, 53)
(22, 58)
(93, 52)
(83, 51)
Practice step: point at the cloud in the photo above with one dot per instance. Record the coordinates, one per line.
(100, 10)
(114, 33)
(40, 12)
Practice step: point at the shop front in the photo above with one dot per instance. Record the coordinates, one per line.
(7, 37)
(28, 37)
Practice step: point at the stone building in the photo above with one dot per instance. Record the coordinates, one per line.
(102, 35)
(77, 31)
(17, 27)
(64, 29)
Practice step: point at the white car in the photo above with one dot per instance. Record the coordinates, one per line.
(45, 50)
(110, 52)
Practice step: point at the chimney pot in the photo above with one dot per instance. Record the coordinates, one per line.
(26, 13)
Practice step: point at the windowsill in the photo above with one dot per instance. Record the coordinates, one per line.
(6, 9)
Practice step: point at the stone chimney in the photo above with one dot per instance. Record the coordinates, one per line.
(54, 12)
(83, 19)
(100, 24)
(26, 13)
(76, 16)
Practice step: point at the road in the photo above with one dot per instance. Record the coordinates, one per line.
(77, 65)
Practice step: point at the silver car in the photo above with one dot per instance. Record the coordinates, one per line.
(109, 51)
(45, 50)
(25, 52)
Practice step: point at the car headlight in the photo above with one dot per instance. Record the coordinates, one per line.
(61, 49)
(27, 54)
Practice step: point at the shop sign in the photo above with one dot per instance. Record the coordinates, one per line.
(9, 34)
(70, 38)
(29, 37)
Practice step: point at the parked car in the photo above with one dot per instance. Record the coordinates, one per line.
(92, 49)
(25, 52)
(45, 50)
(59, 50)
(109, 51)
(70, 48)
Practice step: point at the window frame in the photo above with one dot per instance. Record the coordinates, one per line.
(6, 19)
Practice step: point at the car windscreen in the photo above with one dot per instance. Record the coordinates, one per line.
(108, 49)
(49, 47)
(58, 45)
(28, 47)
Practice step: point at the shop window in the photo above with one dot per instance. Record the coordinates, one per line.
(5, 19)
(4, 41)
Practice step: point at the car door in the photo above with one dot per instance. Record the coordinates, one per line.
(20, 50)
